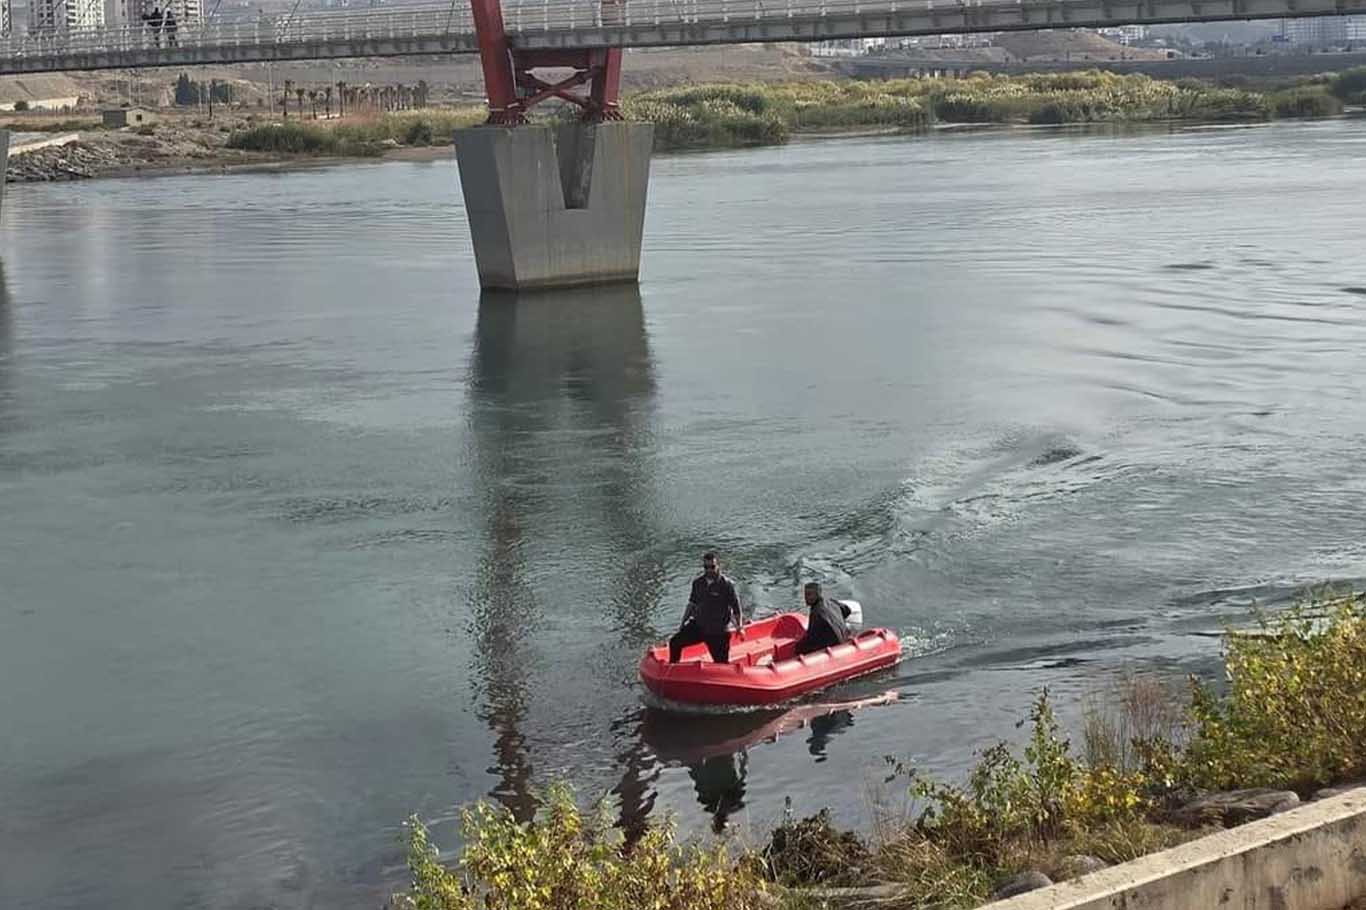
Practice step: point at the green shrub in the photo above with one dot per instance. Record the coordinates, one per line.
(565, 859)
(299, 139)
(811, 851)
(1048, 795)
(415, 128)
(929, 878)
(1295, 712)
(1213, 104)
(1305, 102)
(1130, 725)
(65, 126)
(1350, 85)
(712, 116)
(288, 138)
(419, 133)
(20, 106)
(687, 122)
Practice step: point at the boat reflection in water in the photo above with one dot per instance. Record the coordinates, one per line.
(715, 747)
(561, 390)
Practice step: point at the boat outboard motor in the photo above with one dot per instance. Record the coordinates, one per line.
(854, 616)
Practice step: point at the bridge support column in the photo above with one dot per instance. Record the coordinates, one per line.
(555, 206)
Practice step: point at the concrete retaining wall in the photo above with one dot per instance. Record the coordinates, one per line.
(21, 143)
(1310, 858)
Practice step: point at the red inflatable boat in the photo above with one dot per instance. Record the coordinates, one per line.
(763, 669)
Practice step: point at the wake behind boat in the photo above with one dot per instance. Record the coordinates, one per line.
(764, 667)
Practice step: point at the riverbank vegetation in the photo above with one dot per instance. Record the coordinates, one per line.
(357, 137)
(1290, 716)
(710, 116)
(758, 114)
(1349, 85)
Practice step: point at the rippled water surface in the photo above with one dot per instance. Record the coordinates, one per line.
(298, 534)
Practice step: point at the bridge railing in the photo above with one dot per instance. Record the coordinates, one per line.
(524, 17)
(532, 16)
(399, 22)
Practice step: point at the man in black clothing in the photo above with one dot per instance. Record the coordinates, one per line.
(825, 626)
(712, 607)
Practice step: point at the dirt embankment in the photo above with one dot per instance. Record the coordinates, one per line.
(175, 144)
(1044, 47)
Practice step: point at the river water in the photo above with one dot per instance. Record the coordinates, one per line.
(299, 535)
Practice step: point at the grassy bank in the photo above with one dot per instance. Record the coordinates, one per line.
(740, 115)
(712, 116)
(1292, 714)
(357, 137)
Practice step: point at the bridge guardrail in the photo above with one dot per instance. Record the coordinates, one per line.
(520, 17)
(597, 23)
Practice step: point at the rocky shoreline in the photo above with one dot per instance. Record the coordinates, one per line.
(74, 161)
(172, 145)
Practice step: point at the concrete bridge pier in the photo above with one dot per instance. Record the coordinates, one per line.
(555, 206)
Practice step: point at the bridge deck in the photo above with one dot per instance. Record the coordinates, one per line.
(417, 30)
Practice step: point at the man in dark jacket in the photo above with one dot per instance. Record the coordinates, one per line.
(712, 608)
(825, 626)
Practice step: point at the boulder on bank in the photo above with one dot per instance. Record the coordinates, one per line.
(1235, 807)
(1019, 884)
(853, 898)
(1077, 865)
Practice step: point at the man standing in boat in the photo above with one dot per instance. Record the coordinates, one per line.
(825, 626)
(712, 608)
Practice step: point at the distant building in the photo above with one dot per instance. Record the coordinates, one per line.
(187, 12)
(1324, 31)
(119, 117)
(60, 16)
(1125, 34)
(123, 13)
(851, 47)
(954, 41)
(6, 22)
